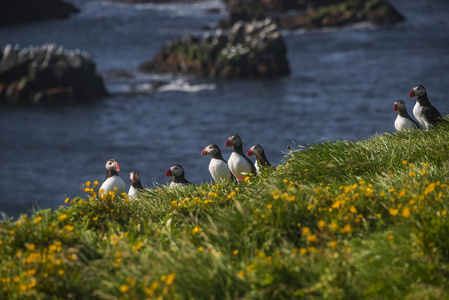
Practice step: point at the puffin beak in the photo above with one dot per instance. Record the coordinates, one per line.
(412, 94)
(250, 153)
(395, 107)
(228, 143)
(168, 173)
(204, 152)
(117, 167)
(132, 178)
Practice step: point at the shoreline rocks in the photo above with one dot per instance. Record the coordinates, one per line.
(25, 11)
(312, 14)
(48, 75)
(253, 49)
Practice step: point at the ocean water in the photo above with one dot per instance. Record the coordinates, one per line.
(342, 86)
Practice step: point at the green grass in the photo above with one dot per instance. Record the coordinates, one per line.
(363, 219)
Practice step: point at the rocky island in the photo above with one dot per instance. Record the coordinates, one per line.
(312, 14)
(24, 11)
(253, 49)
(48, 75)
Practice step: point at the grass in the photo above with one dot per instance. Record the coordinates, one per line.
(364, 219)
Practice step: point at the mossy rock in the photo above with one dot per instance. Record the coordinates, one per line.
(253, 49)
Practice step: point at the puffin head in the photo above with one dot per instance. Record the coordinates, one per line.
(417, 91)
(255, 150)
(175, 171)
(234, 140)
(399, 105)
(112, 164)
(212, 149)
(134, 176)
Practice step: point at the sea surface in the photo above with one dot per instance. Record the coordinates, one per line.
(343, 84)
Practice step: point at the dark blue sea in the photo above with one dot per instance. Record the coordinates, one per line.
(342, 86)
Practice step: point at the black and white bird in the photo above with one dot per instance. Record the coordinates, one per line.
(218, 167)
(423, 110)
(261, 159)
(136, 186)
(403, 120)
(177, 172)
(240, 165)
(113, 182)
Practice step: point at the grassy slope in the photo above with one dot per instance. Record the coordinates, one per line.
(344, 220)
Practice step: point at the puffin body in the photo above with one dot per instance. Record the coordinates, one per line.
(403, 120)
(112, 180)
(136, 186)
(240, 165)
(177, 172)
(218, 167)
(261, 159)
(423, 110)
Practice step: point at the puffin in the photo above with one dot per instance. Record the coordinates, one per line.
(240, 165)
(403, 120)
(261, 159)
(177, 172)
(112, 180)
(136, 186)
(423, 110)
(218, 167)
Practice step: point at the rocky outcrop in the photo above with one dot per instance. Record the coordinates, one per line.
(23, 11)
(48, 75)
(312, 13)
(248, 50)
(344, 13)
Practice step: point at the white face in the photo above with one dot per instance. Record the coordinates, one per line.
(134, 176)
(176, 170)
(211, 149)
(112, 165)
(235, 140)
(400, 104)
(419, 90)
(256, 149)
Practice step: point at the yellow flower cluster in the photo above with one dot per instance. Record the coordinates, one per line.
(33, 263)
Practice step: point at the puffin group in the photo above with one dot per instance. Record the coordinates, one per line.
(424, 112)
(235, 170)
(239, 166)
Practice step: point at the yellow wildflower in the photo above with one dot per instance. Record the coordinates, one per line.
(346, 229)
(62, 217)
(393, 211)
(305, 230)
(321, 224)
(37, 219)
(68, 227)
(170, 279)
(333, 244)
(235, 252)
(312, 238)
(124, 288)
(406, 212)
(196, 229)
